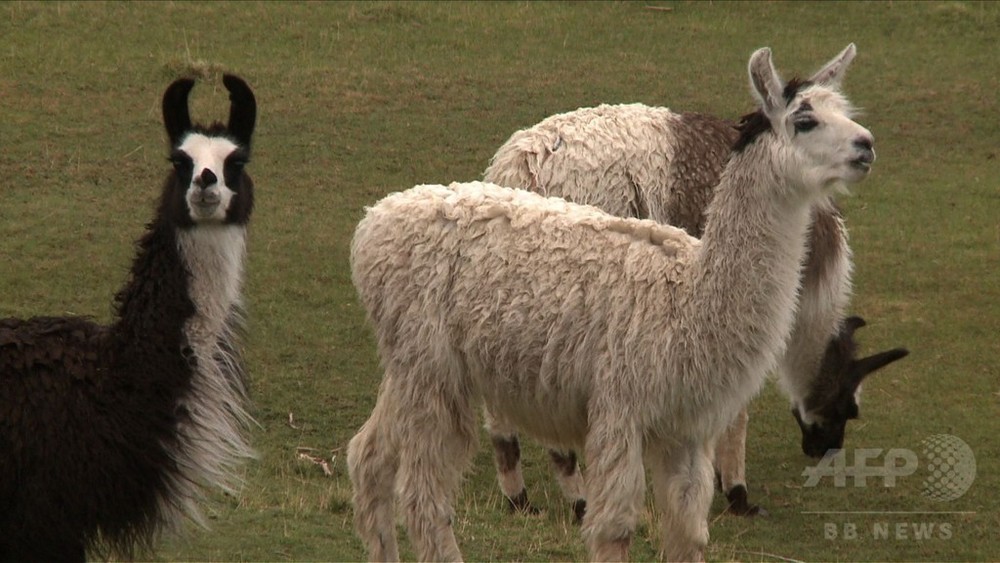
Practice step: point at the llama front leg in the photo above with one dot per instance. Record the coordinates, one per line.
(616, 485)
(682, 485)
(730, 466)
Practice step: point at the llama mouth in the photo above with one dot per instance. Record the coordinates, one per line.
(862, 163)
(204, 208)
(205, 202)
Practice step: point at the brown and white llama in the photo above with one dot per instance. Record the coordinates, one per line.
(108, 434)
(633, 160)
(625, 337)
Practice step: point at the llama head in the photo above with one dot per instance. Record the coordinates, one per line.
(833, 400)
(820, 146)
(208, 183)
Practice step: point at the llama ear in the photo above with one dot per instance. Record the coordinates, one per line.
(875, 362)
(852, 324)
(176, 118)
(832, 73)
(765, 83)
(242, 108)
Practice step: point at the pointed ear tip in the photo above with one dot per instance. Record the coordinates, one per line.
(181, 84)
(232, 80)
(237, 87)
(764, 53)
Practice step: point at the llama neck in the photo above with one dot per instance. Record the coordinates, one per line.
(184, 284)
(154, 304)
(214, 256)
(177, 342)
(744, 287)
(214, 432)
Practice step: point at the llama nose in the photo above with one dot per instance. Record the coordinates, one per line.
(205, 179)
(864, 144)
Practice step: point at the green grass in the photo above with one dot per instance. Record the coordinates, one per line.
(357, 100)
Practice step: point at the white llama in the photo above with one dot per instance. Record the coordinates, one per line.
(630, 339)
(633, 160)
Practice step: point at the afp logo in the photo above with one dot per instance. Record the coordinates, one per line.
(949, 467)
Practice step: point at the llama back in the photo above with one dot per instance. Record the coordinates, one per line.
(630, 160)
(535, 288)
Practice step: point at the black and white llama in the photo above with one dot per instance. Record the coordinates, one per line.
(108, 434)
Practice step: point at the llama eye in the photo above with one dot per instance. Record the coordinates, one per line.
(181, 163)
(804, 125)
(235, 167)
(237, 161)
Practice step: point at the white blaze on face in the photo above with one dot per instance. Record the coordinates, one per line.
(208, 201)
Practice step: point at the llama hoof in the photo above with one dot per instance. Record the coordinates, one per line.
(740, 506)
(519, 503)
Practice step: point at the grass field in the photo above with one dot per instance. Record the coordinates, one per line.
(358, 100)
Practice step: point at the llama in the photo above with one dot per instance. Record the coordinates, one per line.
(835, 396)
(633, 160)
(109, 434)
(625, 337)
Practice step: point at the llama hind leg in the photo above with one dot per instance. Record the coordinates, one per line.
(730, 467)
(507, 456)
(570, 481)
(372, 463)
(616, 485)
(431, 467)
(682, 484)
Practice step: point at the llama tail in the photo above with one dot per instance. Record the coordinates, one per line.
(372, 461)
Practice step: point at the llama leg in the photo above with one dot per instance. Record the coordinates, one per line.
(682, 483)
(433, 456)
(507, 455)
(372, 461)
(570, 480)
(616, 485)
(730, 465)
(656, 459)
